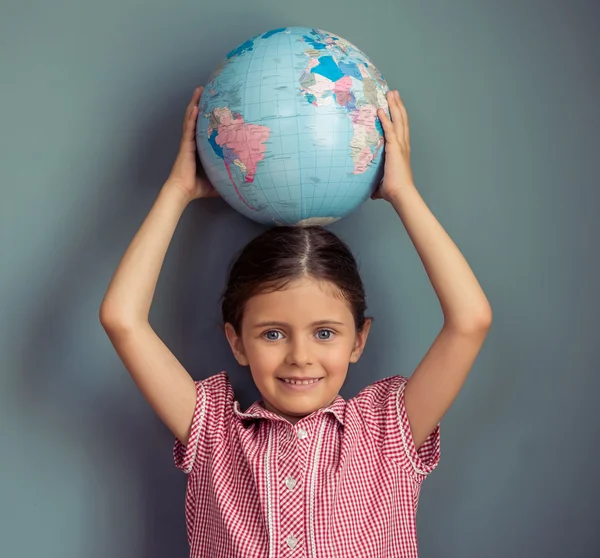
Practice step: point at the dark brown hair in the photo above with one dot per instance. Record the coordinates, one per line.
(281, 255)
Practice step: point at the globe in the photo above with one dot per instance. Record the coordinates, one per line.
(287, 128)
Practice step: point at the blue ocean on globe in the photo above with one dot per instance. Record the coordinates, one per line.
(287, 128)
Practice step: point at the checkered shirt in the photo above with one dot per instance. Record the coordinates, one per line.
(343, 482)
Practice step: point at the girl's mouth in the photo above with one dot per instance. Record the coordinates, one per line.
(300, 385)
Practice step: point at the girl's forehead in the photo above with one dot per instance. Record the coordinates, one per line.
(304, 300)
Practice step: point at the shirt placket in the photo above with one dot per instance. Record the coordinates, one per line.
(292, 467)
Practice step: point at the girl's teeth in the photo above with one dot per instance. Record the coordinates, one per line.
(303, 382)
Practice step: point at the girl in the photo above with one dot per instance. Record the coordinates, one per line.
(301, 473)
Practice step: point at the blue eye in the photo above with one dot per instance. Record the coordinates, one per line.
(272, 335)
(324, 334)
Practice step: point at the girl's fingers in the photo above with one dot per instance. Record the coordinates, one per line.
(404, 119)
(191, 115)
(190, 124)
(399, 116)
(395, 109)
(387, 125)
(196, 96)
(192, 105)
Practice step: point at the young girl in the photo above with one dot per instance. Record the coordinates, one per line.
(301, 473)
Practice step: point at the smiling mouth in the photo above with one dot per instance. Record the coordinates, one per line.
(300, 382)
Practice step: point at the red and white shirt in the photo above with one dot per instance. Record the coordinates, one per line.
(343, 482)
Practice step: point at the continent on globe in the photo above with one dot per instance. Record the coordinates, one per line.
(237, 142)
(329, 78)
(367, 140)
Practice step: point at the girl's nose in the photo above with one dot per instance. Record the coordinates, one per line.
(298, 354)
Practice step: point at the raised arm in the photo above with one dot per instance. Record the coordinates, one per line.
(441, 374)
(124, 312)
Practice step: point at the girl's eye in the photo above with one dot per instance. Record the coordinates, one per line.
(324, 334)
(272, 335)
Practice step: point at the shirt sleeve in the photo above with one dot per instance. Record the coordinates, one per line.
(384, 411)
(212, 395)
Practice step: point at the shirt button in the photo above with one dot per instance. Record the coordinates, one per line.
(302, 434)
(290, 483)
(292, 541)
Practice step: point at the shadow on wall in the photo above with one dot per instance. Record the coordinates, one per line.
(101, 412)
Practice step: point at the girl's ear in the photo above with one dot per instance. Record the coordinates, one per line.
(235, 342)
(361, 340)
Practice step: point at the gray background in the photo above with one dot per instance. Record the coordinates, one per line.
(503, 104)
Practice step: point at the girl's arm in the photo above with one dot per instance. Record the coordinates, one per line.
(441, 374)
(124, 312)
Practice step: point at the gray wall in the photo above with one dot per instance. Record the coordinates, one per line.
(503, 104)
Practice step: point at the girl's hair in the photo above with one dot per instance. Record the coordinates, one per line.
(283, 254)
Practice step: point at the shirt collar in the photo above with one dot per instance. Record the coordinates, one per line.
(256, 411)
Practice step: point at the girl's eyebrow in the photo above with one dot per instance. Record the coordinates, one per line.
(283, 324)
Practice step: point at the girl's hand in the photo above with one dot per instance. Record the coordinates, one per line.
(185, 172)
(397, 171)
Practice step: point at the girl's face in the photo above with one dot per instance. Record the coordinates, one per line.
(305, 331)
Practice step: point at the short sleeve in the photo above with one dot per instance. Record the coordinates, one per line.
(384, 411)
(209, 416)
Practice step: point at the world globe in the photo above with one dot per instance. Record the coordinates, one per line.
(287, 128)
